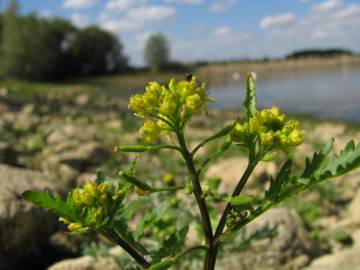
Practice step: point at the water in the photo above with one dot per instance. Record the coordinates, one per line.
(327, 93)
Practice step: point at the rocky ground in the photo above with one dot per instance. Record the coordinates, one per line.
(59, 141)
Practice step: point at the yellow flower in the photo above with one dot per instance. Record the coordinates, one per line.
(75, 227)
(137, 105)
(169, 104)
(141, 192)
(193, 103)
(267, 138)
(238, 134)
(169, 179)
(150, 130)
(103, 188)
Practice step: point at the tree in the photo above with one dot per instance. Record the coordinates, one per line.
(95, 51)
(33, 48)
(157, 52)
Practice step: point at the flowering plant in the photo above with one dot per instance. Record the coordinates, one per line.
(104, 206)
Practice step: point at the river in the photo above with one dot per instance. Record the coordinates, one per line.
(325, 93)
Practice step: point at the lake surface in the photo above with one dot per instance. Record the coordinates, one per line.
(326, 93)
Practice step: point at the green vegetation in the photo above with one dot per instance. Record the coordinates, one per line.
(157, 52)
(35, 48)
(106, 207)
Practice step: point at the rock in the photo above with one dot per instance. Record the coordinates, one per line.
(23, 226)
(230, 171)
(346, 259)
(89, 263)
(86, 263)
(8, 155)
(69, 132)
(82, 99)
(84, 178)
(353, 210)
(87, 154)
(290, 249)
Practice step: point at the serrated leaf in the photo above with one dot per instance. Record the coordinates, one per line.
(54, 204)
(150, 218)
(128, 212)
(122, 229)
(172, 244)
(312, 166)
(279, 184)
(347, 160)
(250, 102)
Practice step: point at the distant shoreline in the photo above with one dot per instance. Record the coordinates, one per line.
(214, 71)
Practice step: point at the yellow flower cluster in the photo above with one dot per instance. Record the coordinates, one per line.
(271, 127)
(174, 104)
(92, 200)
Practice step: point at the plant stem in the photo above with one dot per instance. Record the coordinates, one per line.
(205, 217)
(182, 254)
(249, 169)
(139, 258)
(211, 256)
(162, 189)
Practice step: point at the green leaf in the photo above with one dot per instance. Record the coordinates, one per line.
(314, 165)
(241, 200)
(172, 244)
(163, 265)
(279, 184)
(250, 102)
(135, 181)
(122, 230)
(54, 204)
(150, 218)
(347, 160)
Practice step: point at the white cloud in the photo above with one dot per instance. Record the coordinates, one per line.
(222, 5)
(149, 13)
(327, 5)
(185, 2)
(80, 20)
(328, 24)
(45, 14)
(122, 25)
(134, 18)
(221, 31)
(123, 5)
(211, 47)
(279, 20)
(79, 4)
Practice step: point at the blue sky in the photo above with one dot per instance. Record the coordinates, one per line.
(215, 29)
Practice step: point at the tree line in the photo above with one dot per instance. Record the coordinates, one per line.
(36, 48)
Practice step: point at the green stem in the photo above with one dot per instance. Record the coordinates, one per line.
(113, 237)
(162, 189)
(205, 217)
(249, 169)
(185, 252)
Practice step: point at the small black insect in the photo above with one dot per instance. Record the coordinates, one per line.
(188, 77)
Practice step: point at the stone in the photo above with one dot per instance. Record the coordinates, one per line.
(346, 259)
(231, 169)
(85, 263)
(290, 249)
(353, 210)
(87, 154)
(90, 263)
(8, 155)
(70, 132)
(24, 227)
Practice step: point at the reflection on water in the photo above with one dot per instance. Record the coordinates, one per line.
(330, 93)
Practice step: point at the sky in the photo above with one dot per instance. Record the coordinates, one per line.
(200, 30)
